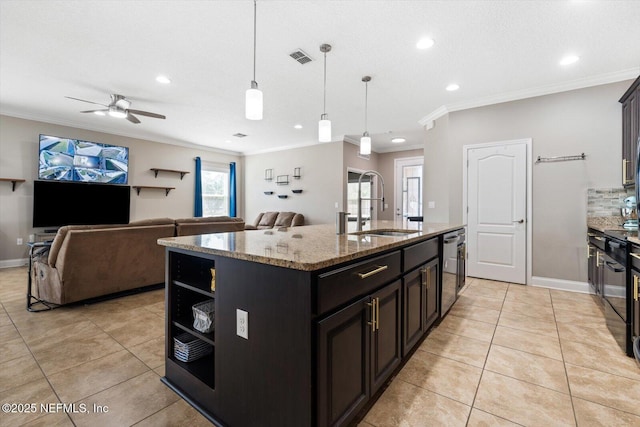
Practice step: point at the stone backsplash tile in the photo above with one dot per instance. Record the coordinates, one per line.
(602, 202)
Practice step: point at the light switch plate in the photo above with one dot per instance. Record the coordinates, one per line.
(242, 324)
(432, 205)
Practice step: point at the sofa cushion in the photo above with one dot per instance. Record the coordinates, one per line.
(268, 219)
(284, 219)
(152, 221)
(298, 220)
(207, 225)
(221, 218)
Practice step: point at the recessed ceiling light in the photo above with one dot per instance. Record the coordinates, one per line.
(425, 43)
(569, 59)
(297, 126)
(397, 140)
(99, 113)
(452, 87)
(163, 79)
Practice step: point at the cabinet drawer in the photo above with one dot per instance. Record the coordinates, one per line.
(340, 286)
(635, 257)
(420, 253)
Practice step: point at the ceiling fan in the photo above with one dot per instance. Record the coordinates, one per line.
(119, 107)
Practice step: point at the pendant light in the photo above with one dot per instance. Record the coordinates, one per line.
(324, 125)
(253, 105)
(365, 140)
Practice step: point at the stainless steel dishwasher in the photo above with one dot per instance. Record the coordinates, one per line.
(449, 270)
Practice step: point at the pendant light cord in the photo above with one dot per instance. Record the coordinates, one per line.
(366, 103)
(254, 40)
(324, 99)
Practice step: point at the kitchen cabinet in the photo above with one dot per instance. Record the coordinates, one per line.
(634, 291)
(358, 348)
(630, 130)
(420, 293)
(595, 254)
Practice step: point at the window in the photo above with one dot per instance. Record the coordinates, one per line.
(352, 196)
(215, 190)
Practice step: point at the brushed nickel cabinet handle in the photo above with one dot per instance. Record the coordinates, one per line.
(588, 251)
(377, 314)
(377, 270)
(635, 287)
(423, 275)
(636, 256)
(599, 238)
(624, 171)
(372, 323)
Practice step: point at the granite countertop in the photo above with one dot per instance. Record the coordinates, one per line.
(307, 248)
(604, 223)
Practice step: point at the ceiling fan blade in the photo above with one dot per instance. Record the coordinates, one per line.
(84, 100)
(132, 118)
(148, 114)
(93, 111)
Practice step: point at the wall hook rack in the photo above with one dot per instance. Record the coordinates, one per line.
(561, 158)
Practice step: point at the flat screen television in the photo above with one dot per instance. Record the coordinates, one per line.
(65, 159)
(58, 203)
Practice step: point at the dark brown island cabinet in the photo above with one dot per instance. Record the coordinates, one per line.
(630, 131)
(320, 343)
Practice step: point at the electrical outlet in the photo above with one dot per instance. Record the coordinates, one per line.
(242, 324)
(336, 205)
(19, 241)
(32, 238)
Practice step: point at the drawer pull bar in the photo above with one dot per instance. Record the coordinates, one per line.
(636, 256)
(377, 270)
(635, 287)
(598, 238)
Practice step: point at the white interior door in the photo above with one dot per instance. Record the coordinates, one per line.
(497, 207)
(408, 187)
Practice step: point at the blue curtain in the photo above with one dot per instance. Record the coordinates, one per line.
(197, 206)
(232, 189)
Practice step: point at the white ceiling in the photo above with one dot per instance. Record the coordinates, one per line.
(495, 50)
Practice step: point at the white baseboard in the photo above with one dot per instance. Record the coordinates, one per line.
(560, 284)
(8, 263)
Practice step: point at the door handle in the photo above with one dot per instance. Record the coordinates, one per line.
(520, 221)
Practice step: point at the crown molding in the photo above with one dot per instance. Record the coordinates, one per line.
(69, 123)
(582, 83)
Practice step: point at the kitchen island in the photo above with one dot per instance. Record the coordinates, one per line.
(308, 325)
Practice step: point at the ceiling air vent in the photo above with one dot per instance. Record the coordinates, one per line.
(300, 56)
(239, 135)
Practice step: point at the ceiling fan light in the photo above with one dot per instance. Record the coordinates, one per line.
(324, 129)
(365, 144)
(253, 104)
(117, 112)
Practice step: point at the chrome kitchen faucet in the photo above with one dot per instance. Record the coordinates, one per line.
(360, 199)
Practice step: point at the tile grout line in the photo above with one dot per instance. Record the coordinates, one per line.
(564, 365)
(475, 395)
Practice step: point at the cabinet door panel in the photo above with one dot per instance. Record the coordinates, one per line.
(431, 305)
(343, 363)
(414, 310)
(385, 344)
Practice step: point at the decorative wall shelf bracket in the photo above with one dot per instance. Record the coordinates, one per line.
(268, 174)
(182, 173)
(296, 173)
(13, 182)
(140, 187)
(282, 180)
(297, 191)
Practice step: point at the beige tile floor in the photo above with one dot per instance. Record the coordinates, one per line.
(505, 355)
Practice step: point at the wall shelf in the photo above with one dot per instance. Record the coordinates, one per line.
(156, 170)
(268, 193)
(147, 187)
(13, 182)
(282, 180)
(297, 191)
(282, 196)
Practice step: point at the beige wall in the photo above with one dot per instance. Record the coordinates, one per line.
(586, 120)
(19, 159)
(321, 167)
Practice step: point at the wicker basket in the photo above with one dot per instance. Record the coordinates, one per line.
(203, 316)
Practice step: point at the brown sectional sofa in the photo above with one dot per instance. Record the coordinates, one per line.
(88, 261)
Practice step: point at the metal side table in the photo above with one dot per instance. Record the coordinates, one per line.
(36, 248)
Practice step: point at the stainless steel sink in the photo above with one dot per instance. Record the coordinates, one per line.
(394, 233)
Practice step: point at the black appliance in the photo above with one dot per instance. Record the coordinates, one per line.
(58, 203)
(616, 291)
(462, 255)
(453, 271)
